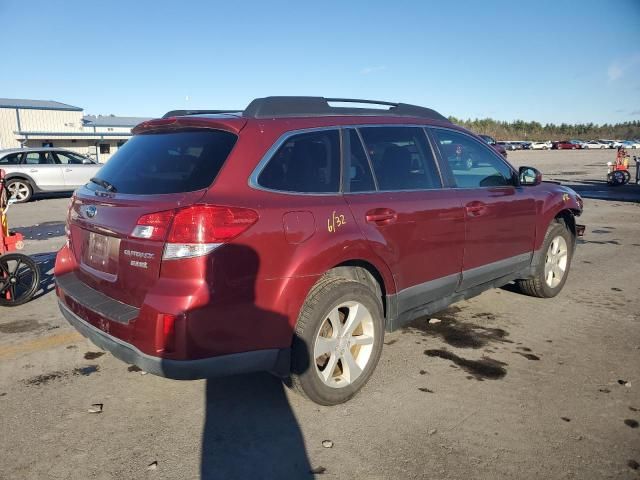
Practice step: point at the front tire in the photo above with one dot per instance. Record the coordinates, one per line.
(552, 264)
(338, 340)
(20, 189)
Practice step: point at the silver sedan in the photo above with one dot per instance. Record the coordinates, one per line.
(42, 170)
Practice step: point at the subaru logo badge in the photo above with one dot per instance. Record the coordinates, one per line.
(91, 211)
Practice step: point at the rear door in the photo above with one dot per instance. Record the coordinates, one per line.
(76, 172)
(500, 217)
(44, 169)
(152, 172)
(413, 224)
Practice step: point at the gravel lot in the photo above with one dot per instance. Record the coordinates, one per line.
(525, 388)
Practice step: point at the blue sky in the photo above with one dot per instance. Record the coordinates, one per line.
(550, 61)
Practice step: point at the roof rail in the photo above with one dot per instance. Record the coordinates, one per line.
(278, 107)
(182, 113)
(272, 107)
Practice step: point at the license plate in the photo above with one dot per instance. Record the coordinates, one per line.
(101, 252)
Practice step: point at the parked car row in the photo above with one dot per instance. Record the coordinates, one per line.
(567, 144)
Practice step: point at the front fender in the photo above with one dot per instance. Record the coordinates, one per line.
(556, 200)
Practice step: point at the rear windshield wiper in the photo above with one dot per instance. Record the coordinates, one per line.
(104, 184)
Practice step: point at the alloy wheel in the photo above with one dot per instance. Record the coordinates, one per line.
(555, 265)
(18, 190)
(344, 344)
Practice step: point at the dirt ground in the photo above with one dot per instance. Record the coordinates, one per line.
(505, 386)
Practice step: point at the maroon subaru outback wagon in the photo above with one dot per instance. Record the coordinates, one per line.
(290, 236)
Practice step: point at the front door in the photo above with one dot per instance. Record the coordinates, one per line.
(416, 227)
(499, 216)
(76, 172)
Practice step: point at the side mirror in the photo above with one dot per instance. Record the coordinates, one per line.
(529, 176)
(87, 162)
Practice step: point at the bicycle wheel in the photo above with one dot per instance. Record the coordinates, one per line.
(615, 178)
(19, 279)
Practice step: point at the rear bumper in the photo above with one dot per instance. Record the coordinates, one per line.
(272, 360)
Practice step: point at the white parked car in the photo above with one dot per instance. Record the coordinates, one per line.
(594, 144)
(540, 145)
(631, 144)
(41, 170)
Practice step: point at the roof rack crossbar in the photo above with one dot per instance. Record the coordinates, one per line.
(182, 113)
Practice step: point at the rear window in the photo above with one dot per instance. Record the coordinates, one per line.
(11, 159)
(174, 162)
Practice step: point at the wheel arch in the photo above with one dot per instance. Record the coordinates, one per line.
(568, 216)
(563, 204)
(364, 272)
(22, 176)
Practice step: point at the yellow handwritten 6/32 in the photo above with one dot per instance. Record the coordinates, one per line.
(335, 222)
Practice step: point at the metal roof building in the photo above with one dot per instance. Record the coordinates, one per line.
(43, 123)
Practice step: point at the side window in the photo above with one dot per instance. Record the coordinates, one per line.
(474, 164)
(34, 158)
(12, 159)
(360, 176)
(68, 159)
(306, 163)
(401, 158)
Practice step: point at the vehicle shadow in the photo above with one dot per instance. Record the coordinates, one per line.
(250, 430)
(600, 190)
(46, 263)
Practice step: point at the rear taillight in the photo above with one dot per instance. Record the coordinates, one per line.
(196, 230)
(210, 224)
(153, 226)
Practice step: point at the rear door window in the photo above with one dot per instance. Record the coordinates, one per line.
(305, 163)
(401, 158)
(167, 162)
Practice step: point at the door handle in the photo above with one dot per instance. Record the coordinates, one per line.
(381, 216)
(68, 169)
(33, 170)
(476, 208)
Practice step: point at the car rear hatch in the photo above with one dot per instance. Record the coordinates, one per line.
(116, 235)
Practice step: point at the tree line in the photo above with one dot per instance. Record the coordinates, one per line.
(535, 131)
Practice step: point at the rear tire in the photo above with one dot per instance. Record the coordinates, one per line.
(338, 340)
(20, 189)
(552, 265)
